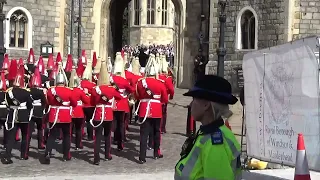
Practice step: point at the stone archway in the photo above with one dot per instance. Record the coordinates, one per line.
(110, 12)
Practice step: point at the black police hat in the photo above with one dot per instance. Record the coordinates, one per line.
(213, 88)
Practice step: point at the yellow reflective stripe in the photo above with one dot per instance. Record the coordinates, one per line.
(235, 154)
(188, 167)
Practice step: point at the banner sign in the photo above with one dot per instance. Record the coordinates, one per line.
(282, 100)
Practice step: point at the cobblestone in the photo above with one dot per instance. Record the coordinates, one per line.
(123, 162)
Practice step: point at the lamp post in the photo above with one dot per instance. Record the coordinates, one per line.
(221, 51)
(2, 18)
(79, 28)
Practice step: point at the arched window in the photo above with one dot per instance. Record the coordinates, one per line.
(247, 29)
(18, 29)
(136, 10)
(164, 12)
(151, 11)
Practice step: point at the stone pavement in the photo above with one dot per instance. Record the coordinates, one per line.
(123, 162)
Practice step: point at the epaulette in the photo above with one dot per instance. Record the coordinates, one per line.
(9, 89)
(161, 80)
(140, 79)
(27, 89)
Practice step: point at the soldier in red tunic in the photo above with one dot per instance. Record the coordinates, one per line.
(122, 85)
(87, 85)
(103, 97)
(137, 75)
(167, 80)
(152, 93)
(61, 101)
(77, 112)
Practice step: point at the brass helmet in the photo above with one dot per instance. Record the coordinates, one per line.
(136, 66)
(96, 68)
(87, 74)
(152, 68)
(74, 79)
(104, 78)
(19, 79)
(61, 77)
(164, 64)
(118, 68)
(109, 64)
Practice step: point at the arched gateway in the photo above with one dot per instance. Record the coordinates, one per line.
(108, 31)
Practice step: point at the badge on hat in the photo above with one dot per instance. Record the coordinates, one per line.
(217, 137)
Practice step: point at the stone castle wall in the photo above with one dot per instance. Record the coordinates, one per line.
(273, 29)
(46, 26)
(306, 18)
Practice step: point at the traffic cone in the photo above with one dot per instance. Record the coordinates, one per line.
(302, 168)
(227, 124)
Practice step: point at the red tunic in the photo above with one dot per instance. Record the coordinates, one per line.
(167, 80)
(85, 84)
(151, 107)
(123, 87)
(129, 76)
(60, 112)
(83, 99)
(135, 80)
(103, 106)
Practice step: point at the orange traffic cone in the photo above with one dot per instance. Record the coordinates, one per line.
(302, 168)
(227, 124)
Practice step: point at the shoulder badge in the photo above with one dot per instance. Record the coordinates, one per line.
(217, 137)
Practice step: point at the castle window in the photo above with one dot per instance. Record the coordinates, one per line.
(247, 29)
(136, 12)
(18, 29)
(151, 10)
(164, 12)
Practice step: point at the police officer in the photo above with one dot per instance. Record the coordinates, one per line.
(151, 93)
(61, 101)
(214, 153)
(20, 103)
(103, 97)
(39, 104)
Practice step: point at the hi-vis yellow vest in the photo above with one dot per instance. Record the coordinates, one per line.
(210, 159)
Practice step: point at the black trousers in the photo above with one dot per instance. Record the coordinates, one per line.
(164, 118)
(88, 112)
(151, 124)
(119, 133)
(106, 126)
(38, 123)
(11, 135)
(66, 140)
(78, 124)
(2, 121)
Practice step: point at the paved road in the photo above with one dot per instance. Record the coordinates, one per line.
(123, 162)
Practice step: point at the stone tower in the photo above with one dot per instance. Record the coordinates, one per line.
(151, 21)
